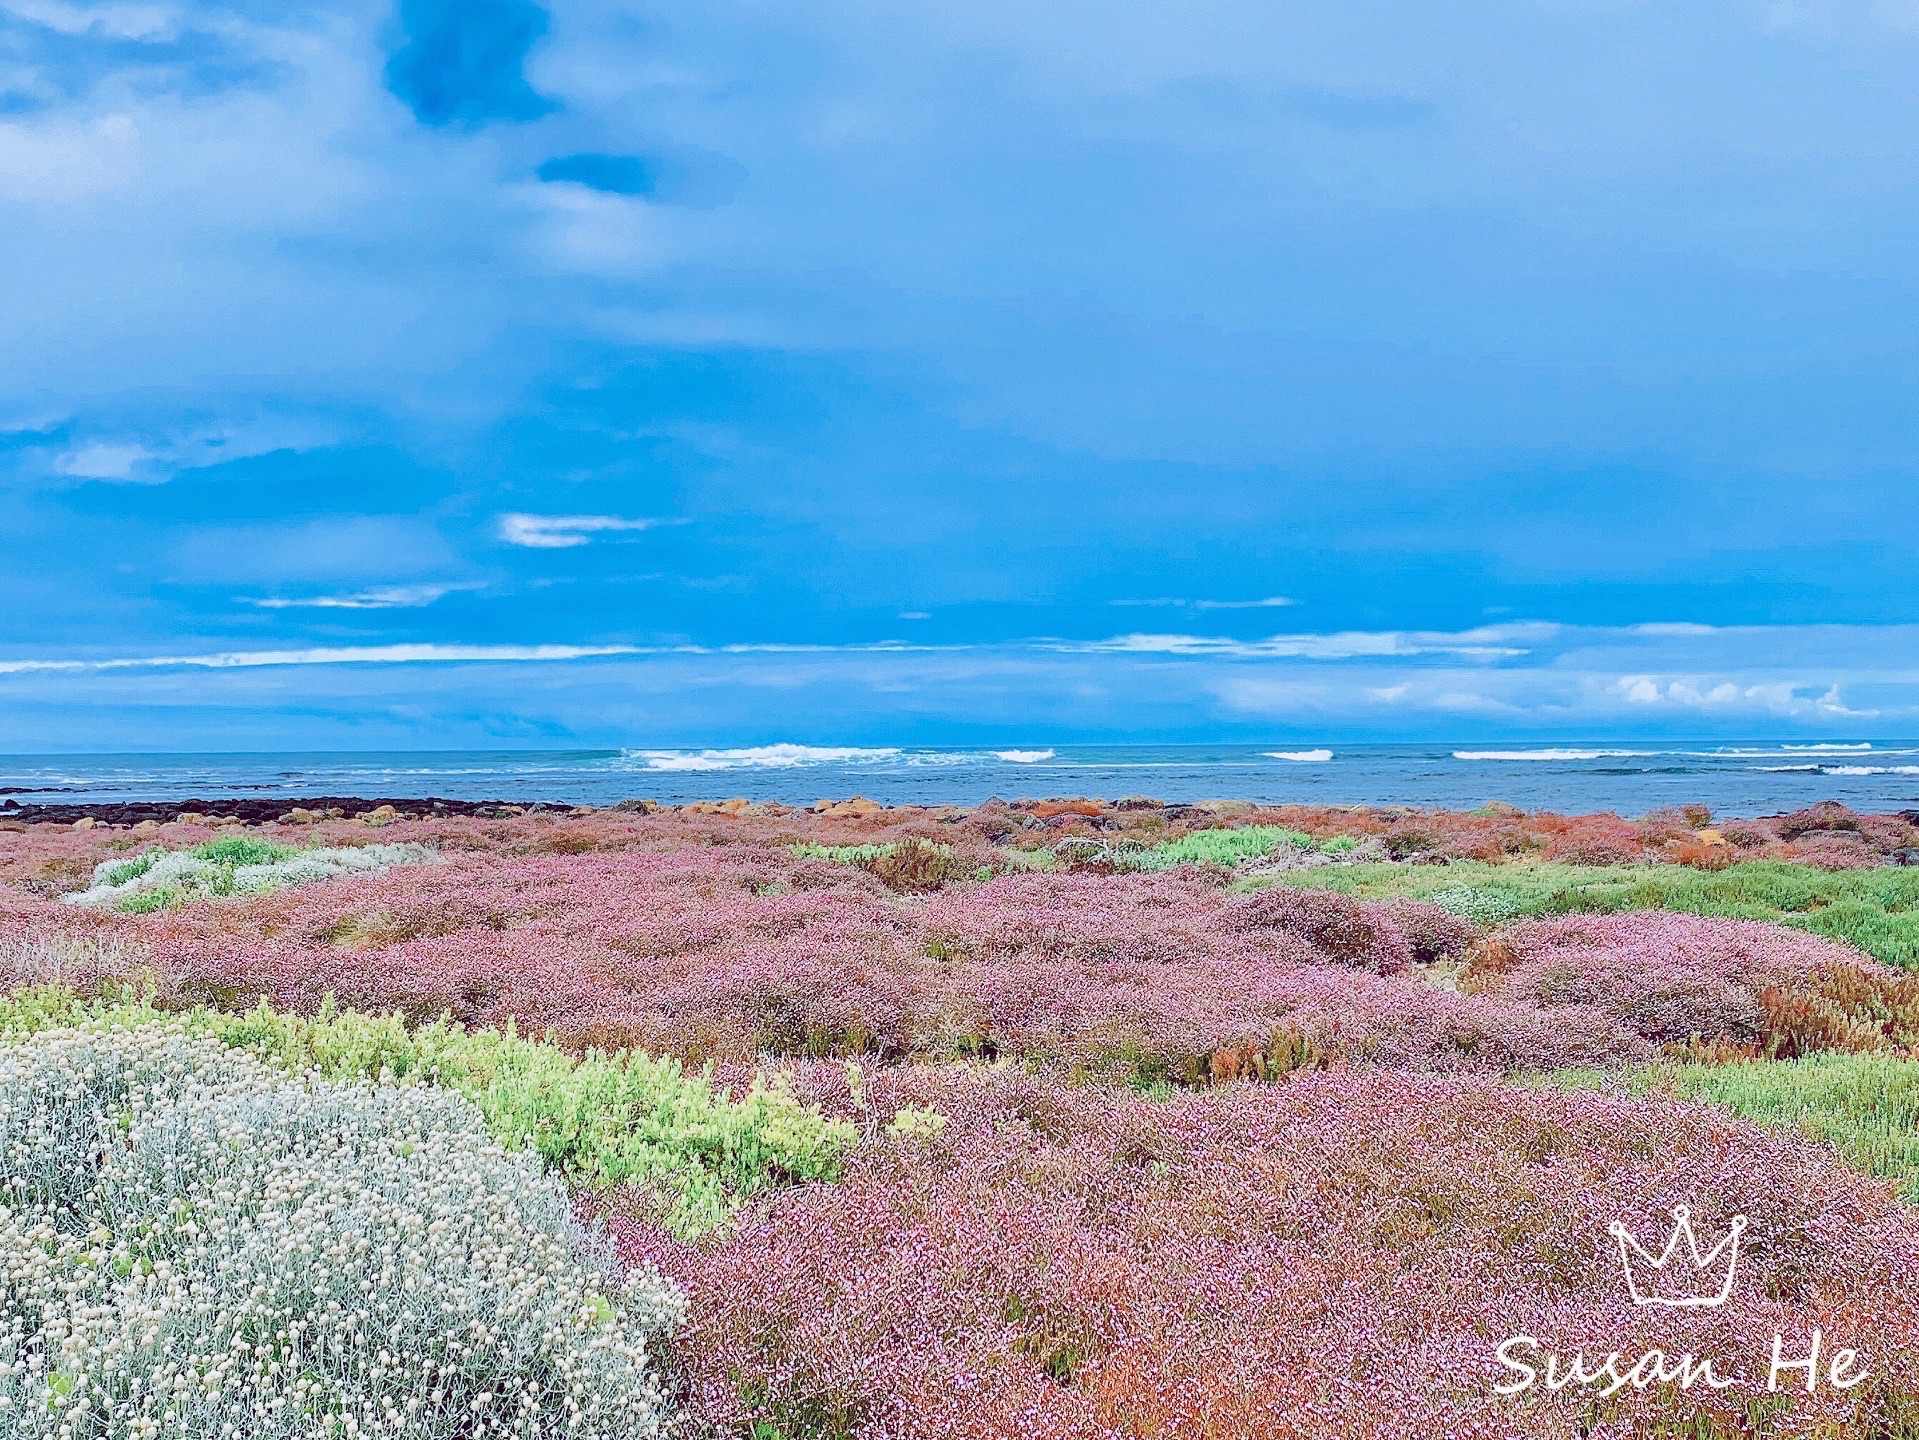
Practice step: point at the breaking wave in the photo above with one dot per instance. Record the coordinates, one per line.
(759, 757)
(1548, 754)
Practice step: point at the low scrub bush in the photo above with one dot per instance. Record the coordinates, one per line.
(842, 854)
(1346, 931)
(1333, 1259)
(1865, 1106)
(1229, 847)
(719, 952)
(1435, 934)
(197, 1244)
(602, 1119)
(1689, 980)
(910, 866)
(1842, 1007)
(1875, 910)
(231, 865)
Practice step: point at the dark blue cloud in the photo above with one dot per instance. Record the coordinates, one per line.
(610, 174)
(694, 179)
(462, 61)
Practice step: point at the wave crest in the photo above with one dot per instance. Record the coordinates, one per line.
(759, 757)
(1550, 754)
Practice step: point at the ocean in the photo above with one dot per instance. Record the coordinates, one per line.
(1629, 778)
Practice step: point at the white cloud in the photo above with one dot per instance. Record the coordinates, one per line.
(1388, 694)
(1466, 702)
(330, 655)
(439, 654)
(1779, 697)
(562, 532)
(122, 22)
(62, 161)
(103, 460)
(1493, 642)
(1674, 629)
(1271, 602)
(1831, 703)
(379, 597)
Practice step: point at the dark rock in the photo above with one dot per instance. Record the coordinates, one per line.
(259, 812)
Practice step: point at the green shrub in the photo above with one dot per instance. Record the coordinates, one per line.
(233, 851)
(1865, 1106)
(910, 866)
(1228, 847)
(230, 865)
(118, 872)
(600, 1119)
(842, 854)
(1875, 910)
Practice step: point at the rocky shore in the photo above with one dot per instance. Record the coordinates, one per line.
(230, 810)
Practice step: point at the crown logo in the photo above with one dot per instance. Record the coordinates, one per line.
(1681, 1275)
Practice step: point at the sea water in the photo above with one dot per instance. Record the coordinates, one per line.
(1627, 777)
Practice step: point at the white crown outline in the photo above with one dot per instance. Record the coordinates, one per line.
(1701, 1264)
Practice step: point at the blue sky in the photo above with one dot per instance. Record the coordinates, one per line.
(488, 373)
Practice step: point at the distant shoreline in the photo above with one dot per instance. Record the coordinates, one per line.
(311, 808)
(262, 812)
(1875, 777)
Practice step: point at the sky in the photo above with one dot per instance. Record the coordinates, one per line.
(478, 373)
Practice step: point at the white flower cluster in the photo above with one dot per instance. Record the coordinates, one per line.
(189, 874)
(196, 1246)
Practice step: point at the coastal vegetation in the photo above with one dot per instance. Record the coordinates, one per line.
(1865, 1106)
(157, 879)
(252, 1253)
(1056, 1119)
(621, 1119)
(1876, 910)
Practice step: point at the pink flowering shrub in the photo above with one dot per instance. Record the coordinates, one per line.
(1433, 934)
(1338, 1257)
(1669, 978)
(1345, 930)
(1835, 850)
(685, 934)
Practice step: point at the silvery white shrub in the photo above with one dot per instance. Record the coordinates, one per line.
(196, 1245)
(182, 870)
